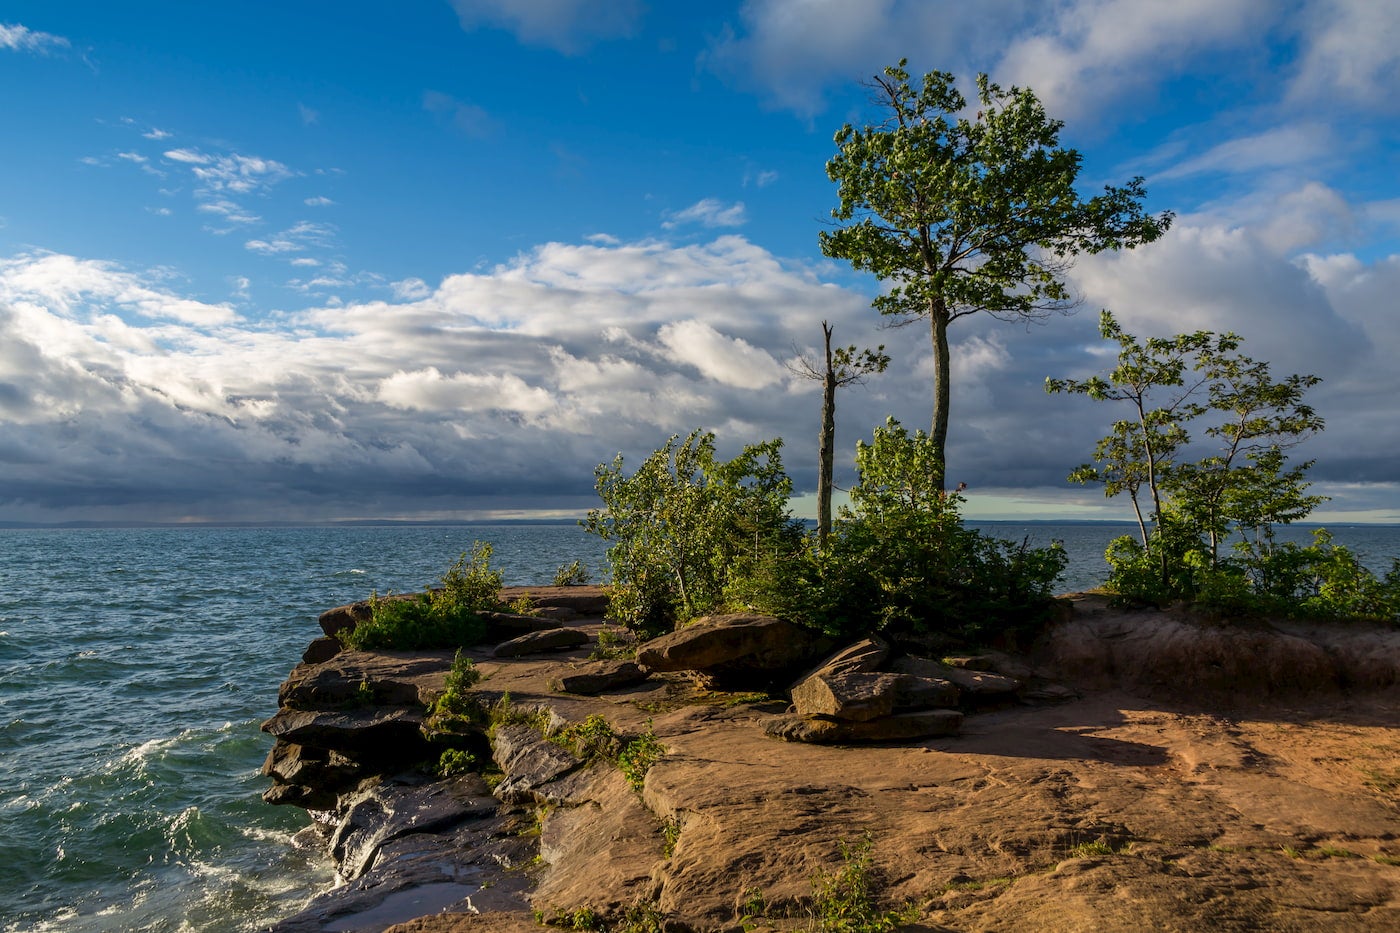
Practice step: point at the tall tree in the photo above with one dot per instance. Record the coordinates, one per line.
(842, 367)
(969, 215)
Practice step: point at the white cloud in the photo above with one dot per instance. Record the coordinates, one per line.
(730, 360)
(569, 26)
(411, 289)
(1283, 146)
(318, 201)
(709, 212)
(229, 211)
(1351, 53)
(298, 238)
(512, 383)
(18, 38)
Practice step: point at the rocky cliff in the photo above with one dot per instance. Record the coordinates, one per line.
(1136, 771)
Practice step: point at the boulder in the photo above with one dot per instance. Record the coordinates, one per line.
(321, 649)
(854, 696)
(393, 678)
(858, 658)
(739, 642)
(863, 696)
(593, 677)
(900, 727)
(553, 639)
(319, 773)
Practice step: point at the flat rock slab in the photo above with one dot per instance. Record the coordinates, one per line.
(590, 678)
(395, 678)
(588, 601)
(503, 625)
(900, 727)
(375, 731)
(857, 696)
(554, 639)
(741, 640)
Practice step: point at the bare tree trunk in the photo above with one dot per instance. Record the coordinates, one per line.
(827, 455)
(938, 324)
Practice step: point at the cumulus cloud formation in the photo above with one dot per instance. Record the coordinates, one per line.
(503, 388)
(568, 26)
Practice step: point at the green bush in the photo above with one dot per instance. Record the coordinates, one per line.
(574, 574)
(685, 523)
(442, 618)
(637, 757)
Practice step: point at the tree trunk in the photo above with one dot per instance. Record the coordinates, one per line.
(938, 324)
(827, 455)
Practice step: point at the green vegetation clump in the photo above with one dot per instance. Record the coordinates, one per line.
(637, 757)
(899, 560)
(455, 761)
(441, 618)
(1192, 497)
(574, 574)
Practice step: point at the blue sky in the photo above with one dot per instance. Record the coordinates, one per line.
(313, 261)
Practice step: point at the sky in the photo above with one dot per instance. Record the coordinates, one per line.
(437, 260)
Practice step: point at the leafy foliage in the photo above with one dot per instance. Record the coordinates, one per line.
(843, 901)
(574, 574)
(901, 560)
(637, 757)
(685, 524)
(964, 215)
(442, 618)
(1240, 489)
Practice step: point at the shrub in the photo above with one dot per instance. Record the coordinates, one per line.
(441, 618)
(637, 757)
(575, 574)
(454, 761)
(685, 524)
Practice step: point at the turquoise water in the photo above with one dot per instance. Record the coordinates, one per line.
(136, 665)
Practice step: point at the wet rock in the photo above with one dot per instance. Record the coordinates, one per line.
(309, 777)
(390, 810)
(593, 677)
(554, 639)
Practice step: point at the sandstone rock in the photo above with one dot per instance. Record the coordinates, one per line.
(370, 734)
(976, 686)
(503, 625)
(737, 642)
(494, 922)
(587, 601)
(916, 693)
(553, 639)
(858, 658)
(853, 696)
(593, 677)
(309, 777)
(390, 810)
(529, 761)
(394, 678)
(321, 649)
(897, 728)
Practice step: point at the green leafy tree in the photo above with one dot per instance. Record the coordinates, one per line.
(843, 366)
(964, 215)
(1184, 507)
(686, 523)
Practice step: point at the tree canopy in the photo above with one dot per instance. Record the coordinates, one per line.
(969, 214)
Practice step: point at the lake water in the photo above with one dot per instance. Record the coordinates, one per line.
(137, 664)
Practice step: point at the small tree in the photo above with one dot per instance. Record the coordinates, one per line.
(969, 215)
(1244, 485)
(843, 366)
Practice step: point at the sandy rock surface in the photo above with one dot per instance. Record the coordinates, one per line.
(1193, 777)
